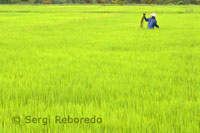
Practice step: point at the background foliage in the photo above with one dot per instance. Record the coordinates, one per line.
(179, 2)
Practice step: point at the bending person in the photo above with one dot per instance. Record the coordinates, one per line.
(151, 21)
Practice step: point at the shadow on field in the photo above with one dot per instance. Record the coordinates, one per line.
(138, 12)
(103, 12)
(27, 11)
(118, 49)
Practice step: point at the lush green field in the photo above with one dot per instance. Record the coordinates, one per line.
(86, 61)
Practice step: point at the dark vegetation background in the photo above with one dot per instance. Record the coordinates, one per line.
(179, 2)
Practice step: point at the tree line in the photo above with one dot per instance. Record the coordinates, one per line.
(179, 2)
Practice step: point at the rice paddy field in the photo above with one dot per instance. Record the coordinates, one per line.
(90, 68)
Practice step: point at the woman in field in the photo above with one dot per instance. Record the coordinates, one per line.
(151, 21)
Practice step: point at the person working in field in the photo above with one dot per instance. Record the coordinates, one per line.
(151, 21)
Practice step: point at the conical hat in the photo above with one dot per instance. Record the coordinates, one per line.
(153, 15)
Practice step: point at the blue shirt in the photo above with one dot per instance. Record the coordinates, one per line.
(151, 22)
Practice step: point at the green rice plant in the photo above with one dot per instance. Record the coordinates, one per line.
(86, 63)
